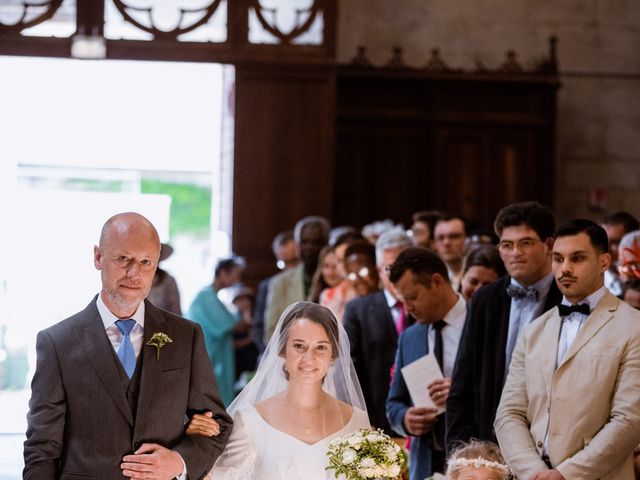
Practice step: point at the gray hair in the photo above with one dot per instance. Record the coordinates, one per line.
(393, 238)
(321, 222)
(279, 240)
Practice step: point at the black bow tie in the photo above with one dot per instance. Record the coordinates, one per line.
(582, 308)
(514, 291)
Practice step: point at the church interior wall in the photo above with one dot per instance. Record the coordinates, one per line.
(598, 117)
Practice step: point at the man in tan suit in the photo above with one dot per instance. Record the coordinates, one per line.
(570, 408)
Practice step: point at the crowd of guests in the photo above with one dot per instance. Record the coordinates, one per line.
(559, 394)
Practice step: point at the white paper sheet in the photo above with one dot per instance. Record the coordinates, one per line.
(418, 375)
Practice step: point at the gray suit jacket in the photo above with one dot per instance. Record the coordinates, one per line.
(80, 424)
(587, 407)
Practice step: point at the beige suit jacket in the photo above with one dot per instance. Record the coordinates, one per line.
(286, 288)
(589, 405)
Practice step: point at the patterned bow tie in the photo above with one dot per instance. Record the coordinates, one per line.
(514, 291)
(566, 310)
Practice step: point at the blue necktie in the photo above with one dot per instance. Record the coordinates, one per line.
(126, 353)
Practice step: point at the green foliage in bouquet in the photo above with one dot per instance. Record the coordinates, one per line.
(366, 454)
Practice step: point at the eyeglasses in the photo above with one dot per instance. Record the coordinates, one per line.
(362, 273)
(630, 269)
(524, 245)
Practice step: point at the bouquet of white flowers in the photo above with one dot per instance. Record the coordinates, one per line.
(366, 454)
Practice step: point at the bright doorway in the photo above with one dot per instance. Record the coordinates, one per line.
(79, 141)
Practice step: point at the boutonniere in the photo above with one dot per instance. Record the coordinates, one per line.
(159, 340)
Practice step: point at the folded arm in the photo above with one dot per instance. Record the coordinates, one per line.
(199, 452)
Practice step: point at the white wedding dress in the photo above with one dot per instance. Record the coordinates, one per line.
(258, 451)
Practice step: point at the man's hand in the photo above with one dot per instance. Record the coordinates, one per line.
(203, 425)
(439, 391)
(152, 461)
(548, 475)
(419, 420)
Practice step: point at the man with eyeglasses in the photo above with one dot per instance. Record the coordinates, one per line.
(449, 235)
(496, 317)
(570, 406)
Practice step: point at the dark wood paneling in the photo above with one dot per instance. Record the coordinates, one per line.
(463, 143)
(283, 155)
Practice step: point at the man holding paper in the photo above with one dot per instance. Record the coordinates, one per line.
(419, 392)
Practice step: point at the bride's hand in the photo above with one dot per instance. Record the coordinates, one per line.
(203, 425)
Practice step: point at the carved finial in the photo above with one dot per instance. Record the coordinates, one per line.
(480, 68)
(361, 59)
(396, 60)
(435, 63)
(511, 64)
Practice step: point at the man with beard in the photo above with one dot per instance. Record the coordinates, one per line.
(114, 382)
(570, 404)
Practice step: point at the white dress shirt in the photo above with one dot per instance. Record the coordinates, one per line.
(450, 335)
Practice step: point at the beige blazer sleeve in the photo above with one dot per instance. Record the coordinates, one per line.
(512, 423)
(608, 454)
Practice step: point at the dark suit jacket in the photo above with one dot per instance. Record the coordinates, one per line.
(479, 373)
(373, 337)
(80, 424)
(412, 345)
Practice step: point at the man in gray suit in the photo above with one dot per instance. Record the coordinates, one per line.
(114, 383)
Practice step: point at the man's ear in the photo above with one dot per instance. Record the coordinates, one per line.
(549, 243)
(436, 280)
(97, 257)
(605, 261)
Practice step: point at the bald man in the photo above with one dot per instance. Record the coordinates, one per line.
(115, 382)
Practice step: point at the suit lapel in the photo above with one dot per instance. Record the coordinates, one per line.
(601, 315)
(152, 365)
(501, 307)
(99, 353)
(380, 306)
(550, 338)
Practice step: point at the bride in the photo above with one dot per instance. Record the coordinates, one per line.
(304, 394)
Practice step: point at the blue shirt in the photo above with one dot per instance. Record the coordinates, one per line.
(523, 312)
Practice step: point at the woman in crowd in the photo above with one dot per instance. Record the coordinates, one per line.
(482, 266)
(328, 274)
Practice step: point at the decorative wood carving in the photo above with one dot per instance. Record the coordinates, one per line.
(436, 63)
(360, 59)
(23, 23)
(396, 60)
(207, 12)
(301, 25)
